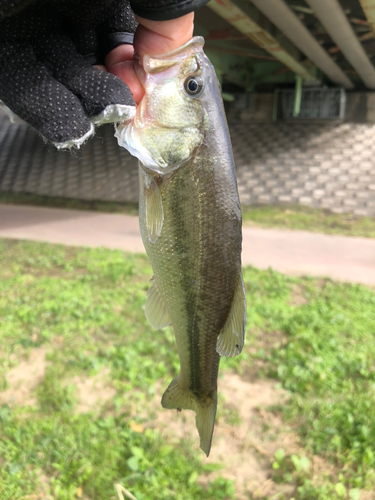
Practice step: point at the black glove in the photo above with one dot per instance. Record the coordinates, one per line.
(47, 49)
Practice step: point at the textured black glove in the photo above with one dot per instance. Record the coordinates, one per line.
(47, 48)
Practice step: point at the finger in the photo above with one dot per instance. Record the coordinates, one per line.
(119, 62)
(127, 73)
(122, 53)
(159, 37)
(101, 67)
(103, 96)
(29, 90)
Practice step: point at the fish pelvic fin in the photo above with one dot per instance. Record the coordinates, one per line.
(231, 339)
(154, 207)
(176, 397)
(155, 309)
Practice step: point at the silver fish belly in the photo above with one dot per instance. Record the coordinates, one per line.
(190, 220)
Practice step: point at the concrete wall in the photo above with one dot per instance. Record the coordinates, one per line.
(360, 107)
(254, 108)
(325, 164)
(258, 108)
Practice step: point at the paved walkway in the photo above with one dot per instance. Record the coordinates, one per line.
(290, 252)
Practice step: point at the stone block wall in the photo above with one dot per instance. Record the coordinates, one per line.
(100, 170)
(328, 164)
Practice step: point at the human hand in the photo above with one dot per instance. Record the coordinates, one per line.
(152, 38)
(47, 50)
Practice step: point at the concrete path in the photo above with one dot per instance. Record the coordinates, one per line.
(290, 252)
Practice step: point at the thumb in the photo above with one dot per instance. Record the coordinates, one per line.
(159, 37)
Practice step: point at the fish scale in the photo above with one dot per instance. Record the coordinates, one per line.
(191, 273)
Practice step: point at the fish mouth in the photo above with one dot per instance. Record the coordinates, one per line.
(157, 63)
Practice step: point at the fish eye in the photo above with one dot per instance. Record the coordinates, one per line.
(193, 85)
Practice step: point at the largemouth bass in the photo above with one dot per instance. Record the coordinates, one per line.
(190, 220)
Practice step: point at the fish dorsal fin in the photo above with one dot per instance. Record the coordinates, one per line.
(155, 309)
(154, 208)
(231, 339)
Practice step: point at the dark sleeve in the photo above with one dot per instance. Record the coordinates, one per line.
(164, 10)
(118, 28)
(8, 8)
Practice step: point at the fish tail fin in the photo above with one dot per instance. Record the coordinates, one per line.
(176, 397)
(205, 421)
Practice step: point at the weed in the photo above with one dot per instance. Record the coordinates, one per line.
(309, 219)
(86, 307)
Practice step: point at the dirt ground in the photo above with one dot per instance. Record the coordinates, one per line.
(246, 434)
(246, 448)
(24, 378)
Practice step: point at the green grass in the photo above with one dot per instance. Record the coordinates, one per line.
(86, 308)
(327, 364)
(36, 200)
(303, 218)
(295, 217)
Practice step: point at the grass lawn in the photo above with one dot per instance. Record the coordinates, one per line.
(82, 373)
(309, 219)
(296, 217)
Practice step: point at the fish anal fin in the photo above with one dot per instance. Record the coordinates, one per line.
(154, 208)
(156, 312)
(231, 339)
(177, 397)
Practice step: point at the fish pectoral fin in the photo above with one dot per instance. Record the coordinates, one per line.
(155, 309)
(176, 397)
(154, 211)
(231, 339)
